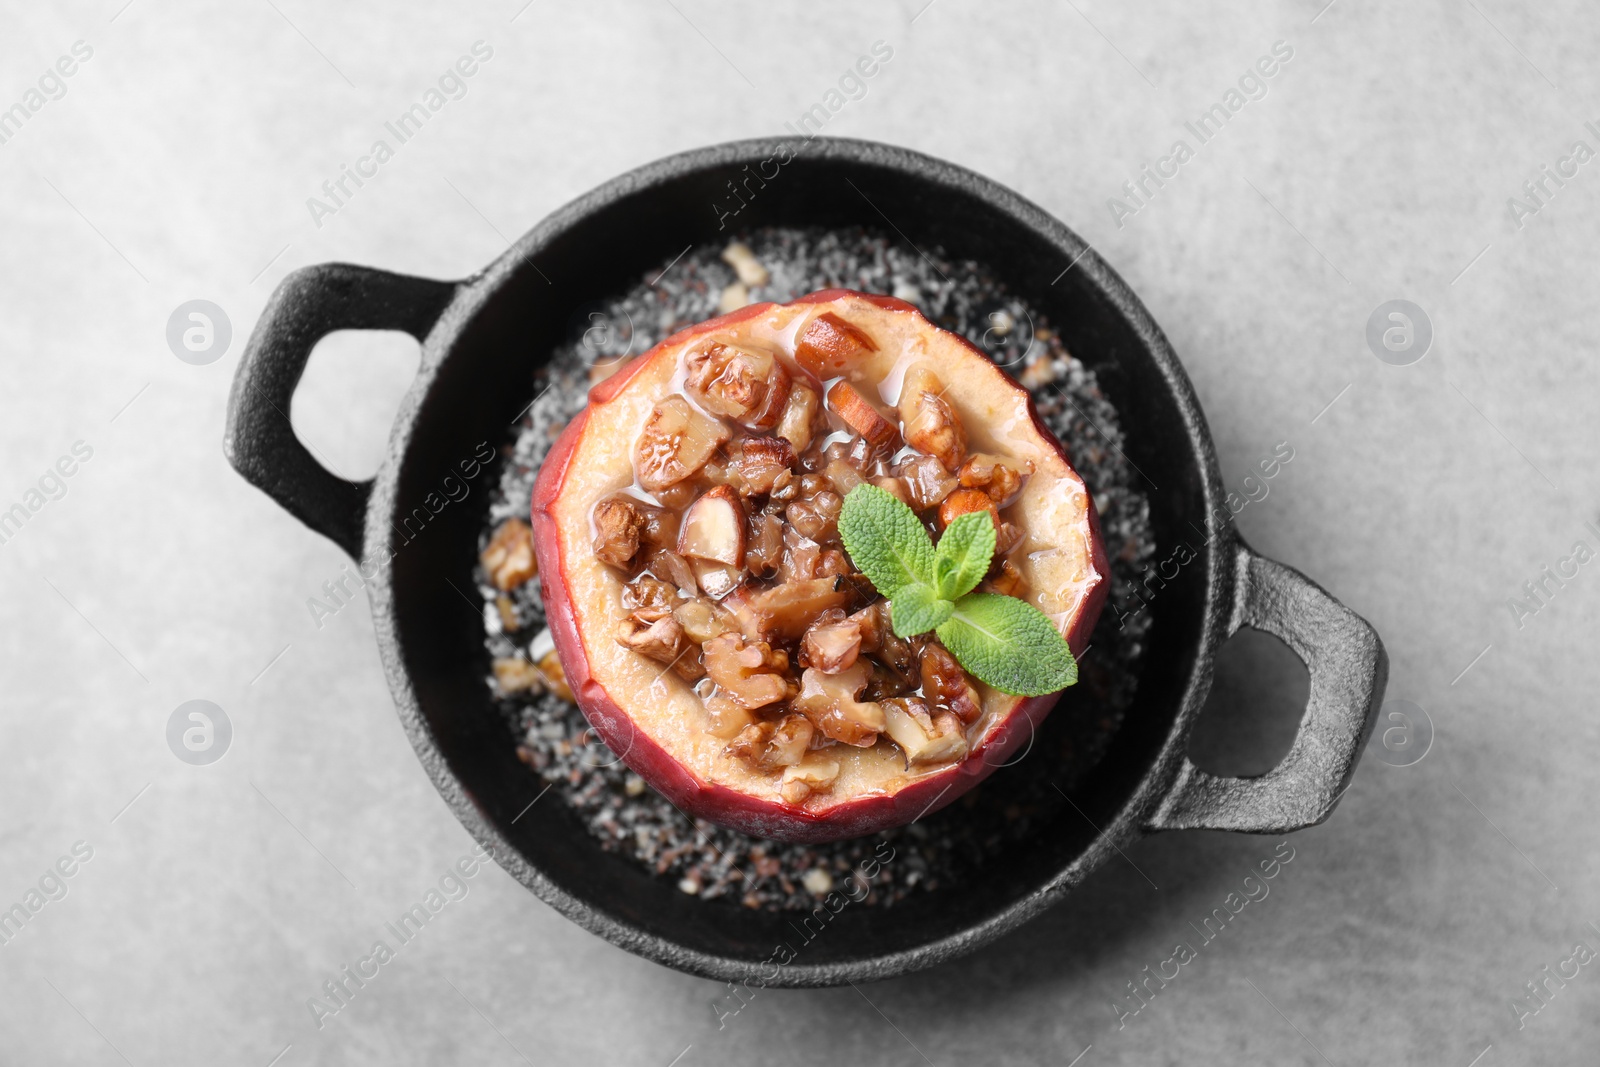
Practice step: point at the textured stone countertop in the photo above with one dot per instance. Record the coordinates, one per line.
(1395, 152)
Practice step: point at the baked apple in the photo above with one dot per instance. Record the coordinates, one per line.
(712, 625)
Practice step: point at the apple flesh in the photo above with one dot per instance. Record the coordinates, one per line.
(742, 389)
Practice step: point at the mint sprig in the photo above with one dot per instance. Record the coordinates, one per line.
(1008, 643)
(1003, 641)
(917, 609)
(887, 542)
(963, 555)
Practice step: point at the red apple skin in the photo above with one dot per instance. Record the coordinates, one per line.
(728, 807)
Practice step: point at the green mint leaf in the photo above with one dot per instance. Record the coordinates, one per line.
(885, 539)
(1009, 644)
(918, 608)
(963, 555)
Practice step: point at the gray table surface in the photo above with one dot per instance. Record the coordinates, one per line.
(1378, 164)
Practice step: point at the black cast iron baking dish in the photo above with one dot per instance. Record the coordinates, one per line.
(483, 337)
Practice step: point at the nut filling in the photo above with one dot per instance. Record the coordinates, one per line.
(736, 579)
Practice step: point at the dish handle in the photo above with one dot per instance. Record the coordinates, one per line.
(1348, 668)
(259, 441)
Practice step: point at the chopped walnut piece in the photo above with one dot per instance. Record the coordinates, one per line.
(763, 552)
(895, 487)
(857, 412)
(886, 682)
(799, 416)
(671, 568)
(713, 528)
(755, 463)
(676, 442)
(833, 562)
(815, 775)
(864, 458)
(703, 619)
(1009, 582)
(680, 495)
(946, 685)
(555, 676)
(753, 623)
(927, 482)
(750, 745)
(745, 264)
(660, 528)
(901, 653)
(508, 557)
(786, 611)
(647, 593)
(509, 623)
(832, 648)
(1001, 480)
(813, 483)
(785, 487)
(816, 518)
(923, 737)
(931, 424)
(843, 476)
(853, 451)
(802, 557)
(812, 459)
(790, 740)
(858, 590)
(749, 387)
(878, 639)
(750, 673)
(715, 580)
(659, 638)
(873, 622)
(662, 640)
(829, 701)
(830, 617)
(768, 746)
(829, 346)
(617, 524)
(733, 297)
(1007, 537)
(1040, 373)
(964, 501)
(517, 675)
